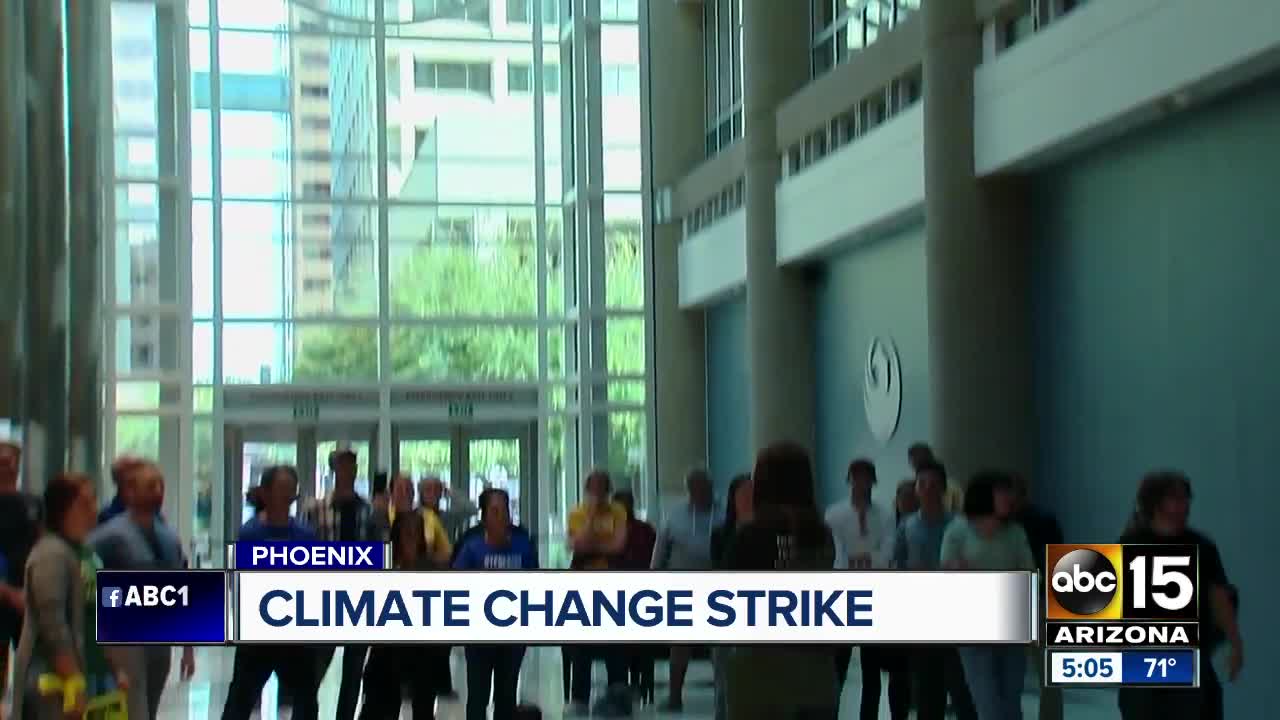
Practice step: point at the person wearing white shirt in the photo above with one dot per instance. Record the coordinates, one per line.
(864, 534)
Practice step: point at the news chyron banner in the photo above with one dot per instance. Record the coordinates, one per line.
(327, 602)
(285, 593)
(1122, 615)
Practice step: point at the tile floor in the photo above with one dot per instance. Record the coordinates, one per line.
(201, 698)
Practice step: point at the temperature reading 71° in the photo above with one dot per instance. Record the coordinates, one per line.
(1160, 664)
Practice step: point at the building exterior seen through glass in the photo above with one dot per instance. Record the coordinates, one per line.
(347, 223)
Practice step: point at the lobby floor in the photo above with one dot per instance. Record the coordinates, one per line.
(201, 698)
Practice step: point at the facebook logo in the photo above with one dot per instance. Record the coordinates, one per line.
(112, 597)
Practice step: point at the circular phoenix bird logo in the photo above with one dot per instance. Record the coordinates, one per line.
(882, 388)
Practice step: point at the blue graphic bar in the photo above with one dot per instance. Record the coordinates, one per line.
(284, 555)
(1159, 667)
(150, 607)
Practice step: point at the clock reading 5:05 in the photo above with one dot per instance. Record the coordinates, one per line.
(1084, 667)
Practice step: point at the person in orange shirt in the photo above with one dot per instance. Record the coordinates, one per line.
(598, 535)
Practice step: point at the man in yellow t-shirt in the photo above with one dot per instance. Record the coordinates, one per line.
(597, 536)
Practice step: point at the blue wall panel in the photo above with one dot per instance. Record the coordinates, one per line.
(728, 404)
(1158, 330)
(878, 289)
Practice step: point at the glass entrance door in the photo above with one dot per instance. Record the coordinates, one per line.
(469, 458)
(251, 448)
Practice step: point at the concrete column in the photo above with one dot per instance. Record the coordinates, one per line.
(671, 36)
(44, 432)
(86, 50)
(775, 50)
(13, 207)
(976, 258)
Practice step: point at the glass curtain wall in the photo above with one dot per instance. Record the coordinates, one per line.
(722, 44)
(377, 194)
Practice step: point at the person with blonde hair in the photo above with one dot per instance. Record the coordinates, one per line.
(139, 540)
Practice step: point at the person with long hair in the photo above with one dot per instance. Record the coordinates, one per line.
(786, 533)
(737, 512)
(495, 669)
(294, 666)
(1161, 518)
(391, 669)
(986, 539)
(59, 632)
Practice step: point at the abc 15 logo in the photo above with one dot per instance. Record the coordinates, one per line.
(1122, 582)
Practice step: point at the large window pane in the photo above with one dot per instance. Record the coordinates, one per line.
(627, 454)
(460, 141)
(202, 353)
(557, 261)
(202, 493)
(201, 116)
(335, 259)
(625, 343)
(464, 354)
(552, 131)
(463, 261)
(256, 254)
(138, 435)
(620, 104)
(141, 248)
(562, 486)
(146, 395)
(134, 98)
(146, 343)
(280, 352)
(623, 252)
(202, 259)
(300, 260)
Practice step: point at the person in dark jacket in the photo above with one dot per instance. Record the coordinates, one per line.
(21, 516)
(637, 554)
(1042, 530)
(737, 512)
(786, 532)
(391, 669)
(1163, 508)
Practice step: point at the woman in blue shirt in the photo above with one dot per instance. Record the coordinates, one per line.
(295, 667)
(500, 547)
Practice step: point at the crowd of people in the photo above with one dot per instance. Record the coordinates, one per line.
(51, 547)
